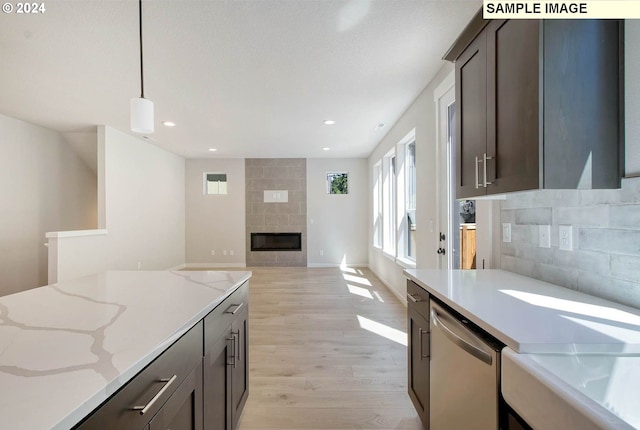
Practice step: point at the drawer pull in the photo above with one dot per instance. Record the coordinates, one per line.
(414, 299)
(144, 409)
(233, 309)
(233, 361)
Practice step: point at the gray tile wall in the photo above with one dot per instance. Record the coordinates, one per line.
(276, 174)
(605, 260)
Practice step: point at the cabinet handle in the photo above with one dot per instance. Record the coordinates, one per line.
(144, 409)
(420, 332)
(236, 308)
(238, 352)
(233, 350)
(414, 299)
(477, 180)
(485, 169)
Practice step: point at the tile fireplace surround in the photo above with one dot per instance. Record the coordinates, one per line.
(288, 174)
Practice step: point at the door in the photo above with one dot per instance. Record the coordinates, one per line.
(471, 124)
(217, 384)
(418, 365)
(183, 410)
(447, 249)
(240, 368)
(512, 105)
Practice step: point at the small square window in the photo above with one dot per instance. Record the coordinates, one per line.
(338, 183)
(215, 183)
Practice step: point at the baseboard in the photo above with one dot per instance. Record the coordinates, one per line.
(212, 265)
(178, 267)
(336, 265)
(400, 298)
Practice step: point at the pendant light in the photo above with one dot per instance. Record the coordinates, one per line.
(141, 108)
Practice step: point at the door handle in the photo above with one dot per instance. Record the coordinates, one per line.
(485, 170)
(238, 352)
(233, 309)
(233, 350)
(144, 409)
(414, 299)
(420, 332)
(441, 251)
(459, 341)
(477, 172)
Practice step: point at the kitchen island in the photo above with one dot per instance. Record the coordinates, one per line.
(68, 347)
(569, 358)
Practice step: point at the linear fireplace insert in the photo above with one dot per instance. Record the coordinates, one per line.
(276, 241)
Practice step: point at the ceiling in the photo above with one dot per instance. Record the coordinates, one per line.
(251, 78)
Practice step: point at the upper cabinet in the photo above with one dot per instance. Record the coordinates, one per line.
(538, 105)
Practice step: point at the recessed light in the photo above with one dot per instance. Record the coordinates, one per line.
(328, 122)
(326, 149)
(169, 124)
(212, 149)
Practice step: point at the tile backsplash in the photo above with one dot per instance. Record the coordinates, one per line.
(605, 260)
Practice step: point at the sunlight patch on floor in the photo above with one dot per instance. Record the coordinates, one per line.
(359, 291)
(383, 330)
(356, 279)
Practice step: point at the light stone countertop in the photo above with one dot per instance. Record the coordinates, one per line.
(572, 360)
(67, 347)
(531, 316)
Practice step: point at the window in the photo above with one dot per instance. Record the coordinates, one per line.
(215, 183)
(338, 183)
(410, 199)
(389, 204)
(377, 205)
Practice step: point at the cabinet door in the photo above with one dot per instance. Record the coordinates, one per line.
(183, 410)
(217, 384)
(418, 365)
(513, 114)
(471, 117)
(240, 369)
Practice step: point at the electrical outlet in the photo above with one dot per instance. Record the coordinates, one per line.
(224, 252)
(231, 252)
(213, 252)
(544, 236)
(506, 232)
(321, 252)
(139, 265)
(565, 237)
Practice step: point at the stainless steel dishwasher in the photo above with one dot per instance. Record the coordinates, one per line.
(465, 374)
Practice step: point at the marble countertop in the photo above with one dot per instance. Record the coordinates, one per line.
(67, 347)
(532, 316)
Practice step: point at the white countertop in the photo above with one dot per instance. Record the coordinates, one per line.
(579, 392)
(532, 316)
(67, 347)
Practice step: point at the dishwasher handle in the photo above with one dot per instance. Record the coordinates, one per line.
(458, 340)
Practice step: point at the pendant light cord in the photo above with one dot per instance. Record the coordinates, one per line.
(141, 63)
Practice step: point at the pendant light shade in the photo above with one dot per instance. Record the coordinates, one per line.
(141, 115)
(141, 108)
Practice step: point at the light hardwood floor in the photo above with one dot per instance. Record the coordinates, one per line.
(327, 350)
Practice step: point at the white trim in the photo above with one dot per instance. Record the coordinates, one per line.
(398, 296)
(406, 263)
(178, 267)
(212, 265)
(75, 233)
(389, 256)
(321, 265)
(447, 83)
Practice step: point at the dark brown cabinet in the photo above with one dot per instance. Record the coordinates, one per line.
(539, 105)
(183, 410)
(226, 378)
(167, 390)
(418, 351)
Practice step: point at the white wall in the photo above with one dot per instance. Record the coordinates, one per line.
(144, 206)
(215, 222)
(44, 186)
(421, 115)
(336, 224)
